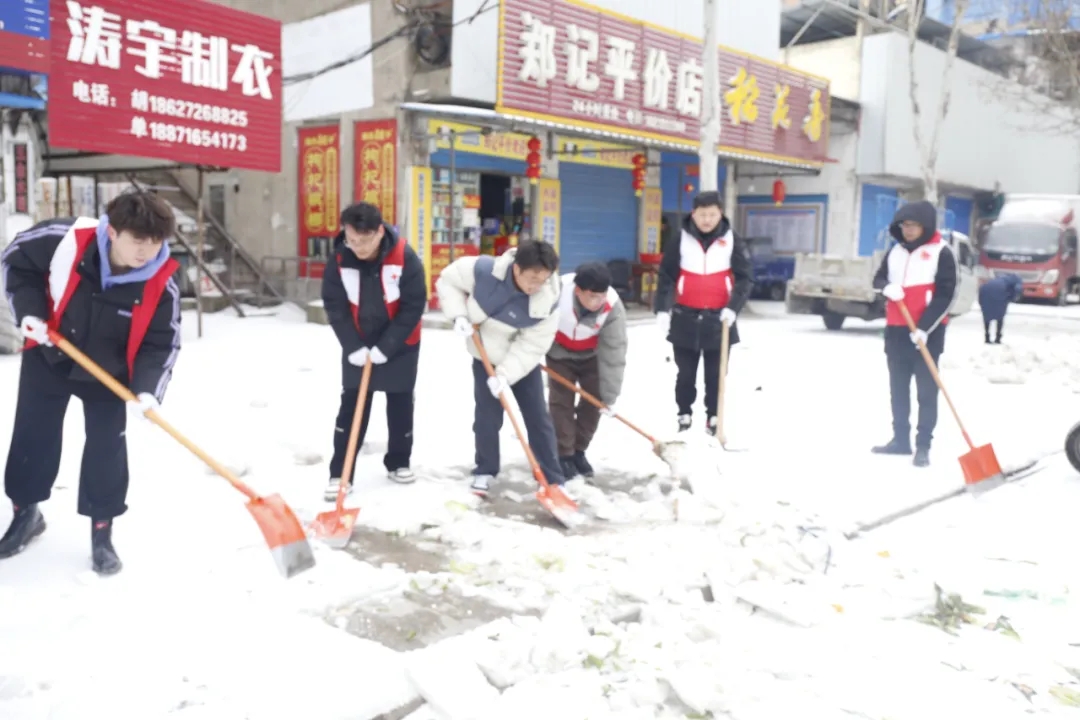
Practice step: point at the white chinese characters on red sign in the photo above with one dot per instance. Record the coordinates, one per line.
(100, 38)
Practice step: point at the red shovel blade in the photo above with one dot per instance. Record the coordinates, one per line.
(562, 508)
(335, 527)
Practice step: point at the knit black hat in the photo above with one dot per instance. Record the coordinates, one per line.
(593, 277)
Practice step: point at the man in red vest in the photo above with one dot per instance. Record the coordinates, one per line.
(374, 294)
(704, 281)
(107, 286)
(590, 350)
(919, 271)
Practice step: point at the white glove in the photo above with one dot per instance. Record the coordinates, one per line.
(143, 403)
(34, 328)
(609, 411)
(498, 385)
(377, 357)
(727, 316)
(663, 321)
(919, 336)
(893, 292)
(359, 357)
(463, 327)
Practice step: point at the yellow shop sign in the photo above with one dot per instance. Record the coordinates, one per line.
(512, 146)
(596, 152)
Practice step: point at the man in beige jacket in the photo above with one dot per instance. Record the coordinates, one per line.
(514, 299)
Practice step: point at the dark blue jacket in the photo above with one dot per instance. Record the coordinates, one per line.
(995, 295)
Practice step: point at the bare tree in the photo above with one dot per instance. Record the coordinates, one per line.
(928, 151)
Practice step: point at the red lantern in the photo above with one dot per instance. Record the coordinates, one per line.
(688, 188)
(532, 160)
(534, 144)
(779, 192)
(638, 174)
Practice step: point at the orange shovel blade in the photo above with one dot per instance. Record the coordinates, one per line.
(980, 465)
(283, 533)
(554, 500)
(335, 527)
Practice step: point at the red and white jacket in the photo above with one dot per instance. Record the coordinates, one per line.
(705, 280)
(915, 271)
(572, 334)
(392, 267)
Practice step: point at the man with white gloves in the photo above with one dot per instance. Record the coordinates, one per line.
(704, 281)
(374, 294)
(514, 299)
(919, 271)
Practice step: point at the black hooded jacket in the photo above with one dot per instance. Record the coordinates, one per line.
(945, 279)
(398, 374)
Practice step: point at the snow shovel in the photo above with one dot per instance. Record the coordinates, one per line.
(335, 527)
(658, 447)
(725, 347)
(551, 497)
(279, 525)
(982, 471)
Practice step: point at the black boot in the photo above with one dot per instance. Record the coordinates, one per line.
(106, 561)
(922, 458)
(582, 465)
(569, 467)
(27, 524)
(896, 446)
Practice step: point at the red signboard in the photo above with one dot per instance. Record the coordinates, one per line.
(22, 52)
(319, 189)
(183, 80)
(376, 166)
(566, 61)
(22, 178)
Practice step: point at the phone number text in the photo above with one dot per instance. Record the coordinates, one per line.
(199, 112)
(168, 132)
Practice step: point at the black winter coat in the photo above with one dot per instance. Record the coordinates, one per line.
(691, 328)
(376, 329)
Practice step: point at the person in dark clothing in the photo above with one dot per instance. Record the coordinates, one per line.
(994, 298)
(704, 281)
(919, 271)
(107, 286)
(374, 294)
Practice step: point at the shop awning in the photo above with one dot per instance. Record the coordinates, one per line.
(526, 125)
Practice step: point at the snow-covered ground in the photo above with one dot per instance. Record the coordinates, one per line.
(743, 600)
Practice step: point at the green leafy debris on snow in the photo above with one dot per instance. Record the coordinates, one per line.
(1003, 626)
(456, 506)
(461, 568)
(592, 661)
(950, 612)
(699, 716)
(550, 562)
(1066, 695)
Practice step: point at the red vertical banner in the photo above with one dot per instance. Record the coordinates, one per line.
(319, 190)
(376, 166)
(22, 178)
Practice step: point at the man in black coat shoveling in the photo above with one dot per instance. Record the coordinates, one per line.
(704, 281)
(994, 298)
(374, 293)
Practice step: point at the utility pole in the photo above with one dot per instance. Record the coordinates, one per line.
(710, 101)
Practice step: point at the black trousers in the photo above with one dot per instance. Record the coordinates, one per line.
(488, 421)
(903, 364)
(399, 424)
(37, 440)
(686, 380)
(986, 327)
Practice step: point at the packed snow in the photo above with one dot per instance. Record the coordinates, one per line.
(726, 587)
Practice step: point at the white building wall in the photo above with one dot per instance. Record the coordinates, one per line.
(750, 27)
(835, 59)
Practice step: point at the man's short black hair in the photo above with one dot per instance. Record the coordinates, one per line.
(709, 198)
(593, 277)
(536, 255)
(362, 217)
(143, 214)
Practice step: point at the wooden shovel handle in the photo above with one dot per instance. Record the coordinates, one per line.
(354, 433)
(127, 396)
(536, 471)
(934, 371)
(594, 401)
(725, 347)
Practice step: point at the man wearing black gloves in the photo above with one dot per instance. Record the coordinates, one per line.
(919, 271)
(704, 281)
(374, 294)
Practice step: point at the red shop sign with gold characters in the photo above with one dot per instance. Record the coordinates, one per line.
(319, 186)
(376, 166)
(566, 61)
(181, 80)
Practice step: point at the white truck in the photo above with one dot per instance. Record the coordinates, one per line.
(837, 288)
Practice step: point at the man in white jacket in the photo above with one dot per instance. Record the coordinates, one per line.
(514, 298)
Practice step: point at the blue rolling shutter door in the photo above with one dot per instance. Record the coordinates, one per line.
(599, 215)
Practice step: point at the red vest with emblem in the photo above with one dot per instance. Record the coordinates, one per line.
(64, 278)
(392, 267)
(915, 272)
(704, 275)
(573, 335)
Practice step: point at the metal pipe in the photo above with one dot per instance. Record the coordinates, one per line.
(453, 192)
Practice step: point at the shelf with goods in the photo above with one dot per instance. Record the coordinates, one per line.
(464, 198)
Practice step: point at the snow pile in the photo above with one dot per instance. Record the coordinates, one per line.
(1052, 360)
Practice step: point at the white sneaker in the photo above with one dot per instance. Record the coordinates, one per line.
(481, 484)
(332, 490)
(404, 476)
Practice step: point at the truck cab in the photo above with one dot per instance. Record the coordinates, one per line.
(1035, 238)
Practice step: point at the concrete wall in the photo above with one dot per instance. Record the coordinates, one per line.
(835, 59)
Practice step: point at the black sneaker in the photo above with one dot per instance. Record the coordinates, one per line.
(569, 467)
(922, 458)
(893, 447)
(684, 422)
(106, 561)
(26, 525)
(582, 465)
